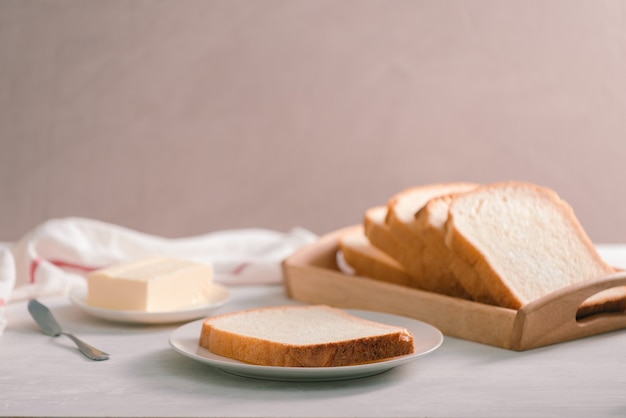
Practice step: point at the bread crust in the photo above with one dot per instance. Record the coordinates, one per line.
(382, 238)
(378, 233)
(254, 350)
(369, 261)
(438, 260)
(422, 251)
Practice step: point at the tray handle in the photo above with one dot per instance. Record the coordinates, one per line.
(552, 318)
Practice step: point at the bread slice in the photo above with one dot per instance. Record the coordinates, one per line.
(520, 242)
(379, 234)
(403, 206)
(439, 262)
(381, 237)
(369, 261)
(303, 336)
(427, 264)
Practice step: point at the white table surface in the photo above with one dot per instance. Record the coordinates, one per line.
(41, 375)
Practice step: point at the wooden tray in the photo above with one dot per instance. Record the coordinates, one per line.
(311, 275)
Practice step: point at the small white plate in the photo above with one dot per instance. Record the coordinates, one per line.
(427, 339)
(220, 296)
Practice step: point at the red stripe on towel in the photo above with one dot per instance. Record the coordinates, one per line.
(33, 267)
(66, 264)
(240, 268)
(59, 263)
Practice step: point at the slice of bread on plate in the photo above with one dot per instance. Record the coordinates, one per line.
(519, 242)
(367, 260)
(303, 336)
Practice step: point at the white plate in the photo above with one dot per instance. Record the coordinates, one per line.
(427, 338)
(220, 295)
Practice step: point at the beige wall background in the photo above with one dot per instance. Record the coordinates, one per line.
(179, 118)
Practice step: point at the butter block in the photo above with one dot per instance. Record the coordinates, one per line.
(153, 284)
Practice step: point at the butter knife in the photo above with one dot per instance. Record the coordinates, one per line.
(42, 315)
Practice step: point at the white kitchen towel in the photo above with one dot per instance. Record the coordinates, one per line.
(57, 255)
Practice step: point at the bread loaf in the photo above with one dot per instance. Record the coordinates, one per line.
(505, 244)
(303, 336)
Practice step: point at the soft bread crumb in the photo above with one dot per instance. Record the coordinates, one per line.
(519, 242)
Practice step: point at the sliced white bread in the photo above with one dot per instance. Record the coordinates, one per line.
(427, 261)
(369, 261)
(379, 234)
(519, 242)
(303, 336)
(403, 206)
(429, 227)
